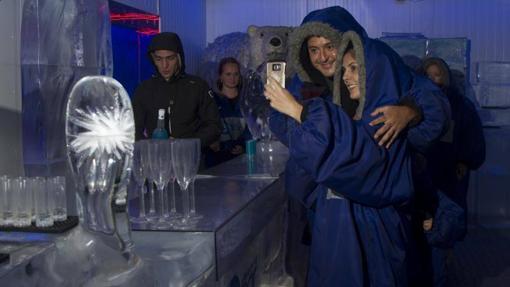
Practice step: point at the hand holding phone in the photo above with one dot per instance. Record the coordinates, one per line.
(276, 70)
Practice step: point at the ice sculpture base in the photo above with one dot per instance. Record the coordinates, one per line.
(75, 258)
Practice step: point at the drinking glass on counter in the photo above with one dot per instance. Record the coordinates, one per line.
(186, 160)
(146, 151)
(43, 202)
(6, 202)
(22, 194)
(57, 189)
(24, 200)
(138, 173)
(161, 171)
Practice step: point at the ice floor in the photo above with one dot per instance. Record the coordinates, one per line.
(482, 259)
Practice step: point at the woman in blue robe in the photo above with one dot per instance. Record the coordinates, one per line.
(357, 188)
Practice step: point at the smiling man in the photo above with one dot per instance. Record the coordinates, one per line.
(190, 111)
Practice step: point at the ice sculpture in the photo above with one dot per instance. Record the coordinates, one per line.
(254, 106)
(100, 138)
(256, 110)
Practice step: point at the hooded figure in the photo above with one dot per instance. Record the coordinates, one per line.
(190, 110)
(356, 187)
(463, 149)
(442, 176)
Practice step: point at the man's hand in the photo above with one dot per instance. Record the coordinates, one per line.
(215, 146)
(237, 149)
(394, 120)
(461, 171)
(281, 100)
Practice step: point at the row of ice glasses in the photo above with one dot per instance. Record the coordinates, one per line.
(160, 163)
(24, 200)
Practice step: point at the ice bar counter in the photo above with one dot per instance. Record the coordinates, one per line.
(238, 240)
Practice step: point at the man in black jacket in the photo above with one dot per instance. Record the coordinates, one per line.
(190, 108)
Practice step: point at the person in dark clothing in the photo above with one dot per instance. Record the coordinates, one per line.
(190, 109)
(442, 174)
(235, 132)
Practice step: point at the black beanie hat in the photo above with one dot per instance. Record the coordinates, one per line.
(167, 41)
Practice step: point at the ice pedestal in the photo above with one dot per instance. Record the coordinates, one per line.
(26, 266)
(90, 256)
(76, 258)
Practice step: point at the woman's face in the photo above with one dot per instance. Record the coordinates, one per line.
(230, 76)
(351, 75)
(435, 75)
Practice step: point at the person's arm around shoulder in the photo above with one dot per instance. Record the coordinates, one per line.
(394, 120)
(425, 112)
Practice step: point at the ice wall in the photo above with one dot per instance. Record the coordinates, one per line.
(488, 198)
(10, 99)
(61, 41)
(492, 90)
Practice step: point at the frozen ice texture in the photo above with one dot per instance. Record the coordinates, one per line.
(493, 72)
(254, 106)
(77, 258)
(177, 258)
(492, 96)
(455, 52)
(495, 118)
(61, 41)
(490, 204)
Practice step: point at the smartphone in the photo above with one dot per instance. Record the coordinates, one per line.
(276, 69)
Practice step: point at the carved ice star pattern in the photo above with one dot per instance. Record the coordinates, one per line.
(105, 129)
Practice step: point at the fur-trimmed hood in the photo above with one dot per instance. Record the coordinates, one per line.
(382, 73)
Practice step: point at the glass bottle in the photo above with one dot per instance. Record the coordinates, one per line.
(160, 131)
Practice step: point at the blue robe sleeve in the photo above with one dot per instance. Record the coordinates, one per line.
(341, 154)
(299, 184)
(435, 111)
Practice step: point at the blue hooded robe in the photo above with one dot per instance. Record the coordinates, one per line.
(359, 236)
